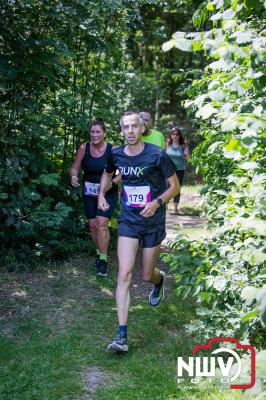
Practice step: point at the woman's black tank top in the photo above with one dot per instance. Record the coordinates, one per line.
(93, 167)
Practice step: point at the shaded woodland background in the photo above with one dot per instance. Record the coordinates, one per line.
(64, 63)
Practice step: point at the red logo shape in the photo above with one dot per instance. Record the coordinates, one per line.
(238, 346)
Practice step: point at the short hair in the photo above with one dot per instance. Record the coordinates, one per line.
(145, 111)
(97, 121)
(126, 113)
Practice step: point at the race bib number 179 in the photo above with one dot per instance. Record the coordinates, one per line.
(137, 196)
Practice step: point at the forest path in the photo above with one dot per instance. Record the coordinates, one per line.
(56, 323)
(187, 220)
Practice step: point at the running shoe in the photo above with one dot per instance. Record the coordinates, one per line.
(101, 268)
(157, 293)
(97, 261)
(119, 344)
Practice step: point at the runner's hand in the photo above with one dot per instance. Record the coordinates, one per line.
(149, 209)
(74, 181)
(102, 203)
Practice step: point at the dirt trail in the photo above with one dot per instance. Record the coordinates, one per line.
(70, 282)
(183, 219)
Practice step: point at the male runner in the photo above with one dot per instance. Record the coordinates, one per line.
(151, 135)
(144, 168)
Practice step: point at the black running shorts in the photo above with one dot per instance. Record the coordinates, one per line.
(91, 205)
(149, 236)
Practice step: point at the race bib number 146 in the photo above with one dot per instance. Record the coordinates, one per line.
(91, 189)
(137, 196)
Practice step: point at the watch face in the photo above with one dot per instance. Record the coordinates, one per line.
(159, 201)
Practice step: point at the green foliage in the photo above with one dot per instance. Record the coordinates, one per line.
(228, 101)
(62, 64)
(39, 223)
(157, 81)
(208, 271)
(202, 14)
(250, 293)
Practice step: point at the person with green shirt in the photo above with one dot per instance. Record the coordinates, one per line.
(151, 135)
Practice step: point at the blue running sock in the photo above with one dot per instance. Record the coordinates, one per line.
(123, 331)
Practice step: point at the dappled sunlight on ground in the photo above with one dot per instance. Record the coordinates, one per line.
(187, 221)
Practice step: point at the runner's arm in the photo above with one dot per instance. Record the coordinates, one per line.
(117, 179)
(118, 176)
(172, 191)
(186, 151)
(106, 183)
(76, 165)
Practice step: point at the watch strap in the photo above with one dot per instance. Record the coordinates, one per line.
(159, 201)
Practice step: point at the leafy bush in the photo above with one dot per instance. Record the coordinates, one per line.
(39, 222)
(62, 65)
(202, 269)
(228, 101)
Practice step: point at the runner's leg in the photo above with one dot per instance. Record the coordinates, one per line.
(93, 231)
(90, 205)
(127, 250)
(152, 274)
(149, 258)
(180, 176)
(103, 235)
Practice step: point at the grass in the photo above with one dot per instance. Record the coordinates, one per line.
(58, 322)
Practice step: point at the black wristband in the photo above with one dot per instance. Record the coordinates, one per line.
(159, 201)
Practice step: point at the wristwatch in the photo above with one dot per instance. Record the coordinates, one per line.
(159, 201)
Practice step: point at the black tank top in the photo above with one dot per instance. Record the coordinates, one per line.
(93, 167)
